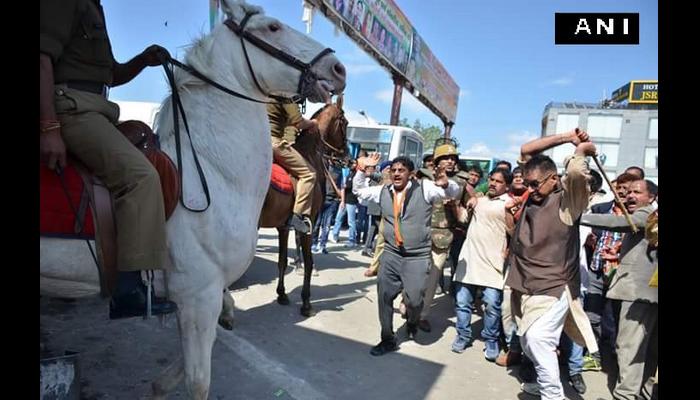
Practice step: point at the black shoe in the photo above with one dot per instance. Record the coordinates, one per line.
(368, 253)
(301, 224)
(133, 304)
(424, 325)
(412, 330)
(527, 371)
(576, 381)
(385, 346)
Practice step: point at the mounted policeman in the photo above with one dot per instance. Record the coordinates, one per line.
(76, 69)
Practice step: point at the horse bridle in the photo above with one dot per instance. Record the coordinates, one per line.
(307, 76)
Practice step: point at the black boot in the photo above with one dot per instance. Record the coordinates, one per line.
(301, 224)
(129, 298)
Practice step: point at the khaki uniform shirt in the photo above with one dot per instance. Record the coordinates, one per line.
(73, 33)
(283, 120)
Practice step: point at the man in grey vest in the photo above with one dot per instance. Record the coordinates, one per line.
(635, 301)
(405, 264)
(544, 271)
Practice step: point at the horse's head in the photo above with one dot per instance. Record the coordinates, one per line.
(332, 126)
(280, 61)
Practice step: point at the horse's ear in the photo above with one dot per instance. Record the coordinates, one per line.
(237, 9)
(339, 101)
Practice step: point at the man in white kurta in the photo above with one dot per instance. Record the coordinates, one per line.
(480, 265)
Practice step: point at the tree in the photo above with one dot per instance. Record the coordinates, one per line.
(430, 133)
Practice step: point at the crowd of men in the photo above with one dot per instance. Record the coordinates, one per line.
(562, 271)
(544, 253)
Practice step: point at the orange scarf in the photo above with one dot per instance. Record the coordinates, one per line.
(398, 205)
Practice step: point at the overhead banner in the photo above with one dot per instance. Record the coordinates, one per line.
(385, 27)
(432, 79)
(382, 24)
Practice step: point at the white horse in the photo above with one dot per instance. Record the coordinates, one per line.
(212, 249)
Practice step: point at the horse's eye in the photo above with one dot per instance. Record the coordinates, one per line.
(274, 27)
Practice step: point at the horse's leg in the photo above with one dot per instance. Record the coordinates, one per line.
(169, 379)
(308, 268)
(226, 316)
(298, 262)
(197, 320)
(283, 234)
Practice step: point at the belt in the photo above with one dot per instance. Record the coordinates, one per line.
(87, 86)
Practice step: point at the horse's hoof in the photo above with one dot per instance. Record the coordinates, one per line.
(307, 312)
(226, 323)
(283, 300)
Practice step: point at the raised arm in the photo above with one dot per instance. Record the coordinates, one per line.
(575, 184)
(362, 190)
(617, 223)
(529, 149)
(441, 188)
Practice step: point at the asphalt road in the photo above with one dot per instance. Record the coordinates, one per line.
(275, 353)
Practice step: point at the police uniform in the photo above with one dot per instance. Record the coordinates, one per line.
(443, 222)
(73, 34)
(283, 120)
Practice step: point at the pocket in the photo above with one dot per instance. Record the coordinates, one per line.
(64, 104)
(92, 45)
(70, 101)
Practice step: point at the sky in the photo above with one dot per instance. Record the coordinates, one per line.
(501, 53)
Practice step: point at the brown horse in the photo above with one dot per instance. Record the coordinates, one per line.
(318, 149)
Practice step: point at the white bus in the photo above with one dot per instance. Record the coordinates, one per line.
(388, 140)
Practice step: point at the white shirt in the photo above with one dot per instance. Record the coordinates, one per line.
(431, 192)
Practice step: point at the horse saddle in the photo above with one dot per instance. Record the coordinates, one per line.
(65, 200)
(280, 180)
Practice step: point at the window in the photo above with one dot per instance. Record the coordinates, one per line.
(604, 126)
(610, 151)
(654, 129)
(412, 149)
(565, 123)
(651, 157)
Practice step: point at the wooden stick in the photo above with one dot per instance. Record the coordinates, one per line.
(617, 199)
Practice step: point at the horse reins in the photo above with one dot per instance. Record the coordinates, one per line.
(307, 77)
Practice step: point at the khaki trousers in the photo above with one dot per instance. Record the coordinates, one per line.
(285, 155)
(87, 126)
(378, 247)
(439, 257)
(637, 349)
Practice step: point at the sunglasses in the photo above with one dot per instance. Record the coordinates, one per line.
(536, 185)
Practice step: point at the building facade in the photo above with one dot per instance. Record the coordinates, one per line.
(625, 132)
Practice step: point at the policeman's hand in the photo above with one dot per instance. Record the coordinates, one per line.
(153, 55)
(441, 177)
(586, 149)
(52, 150)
